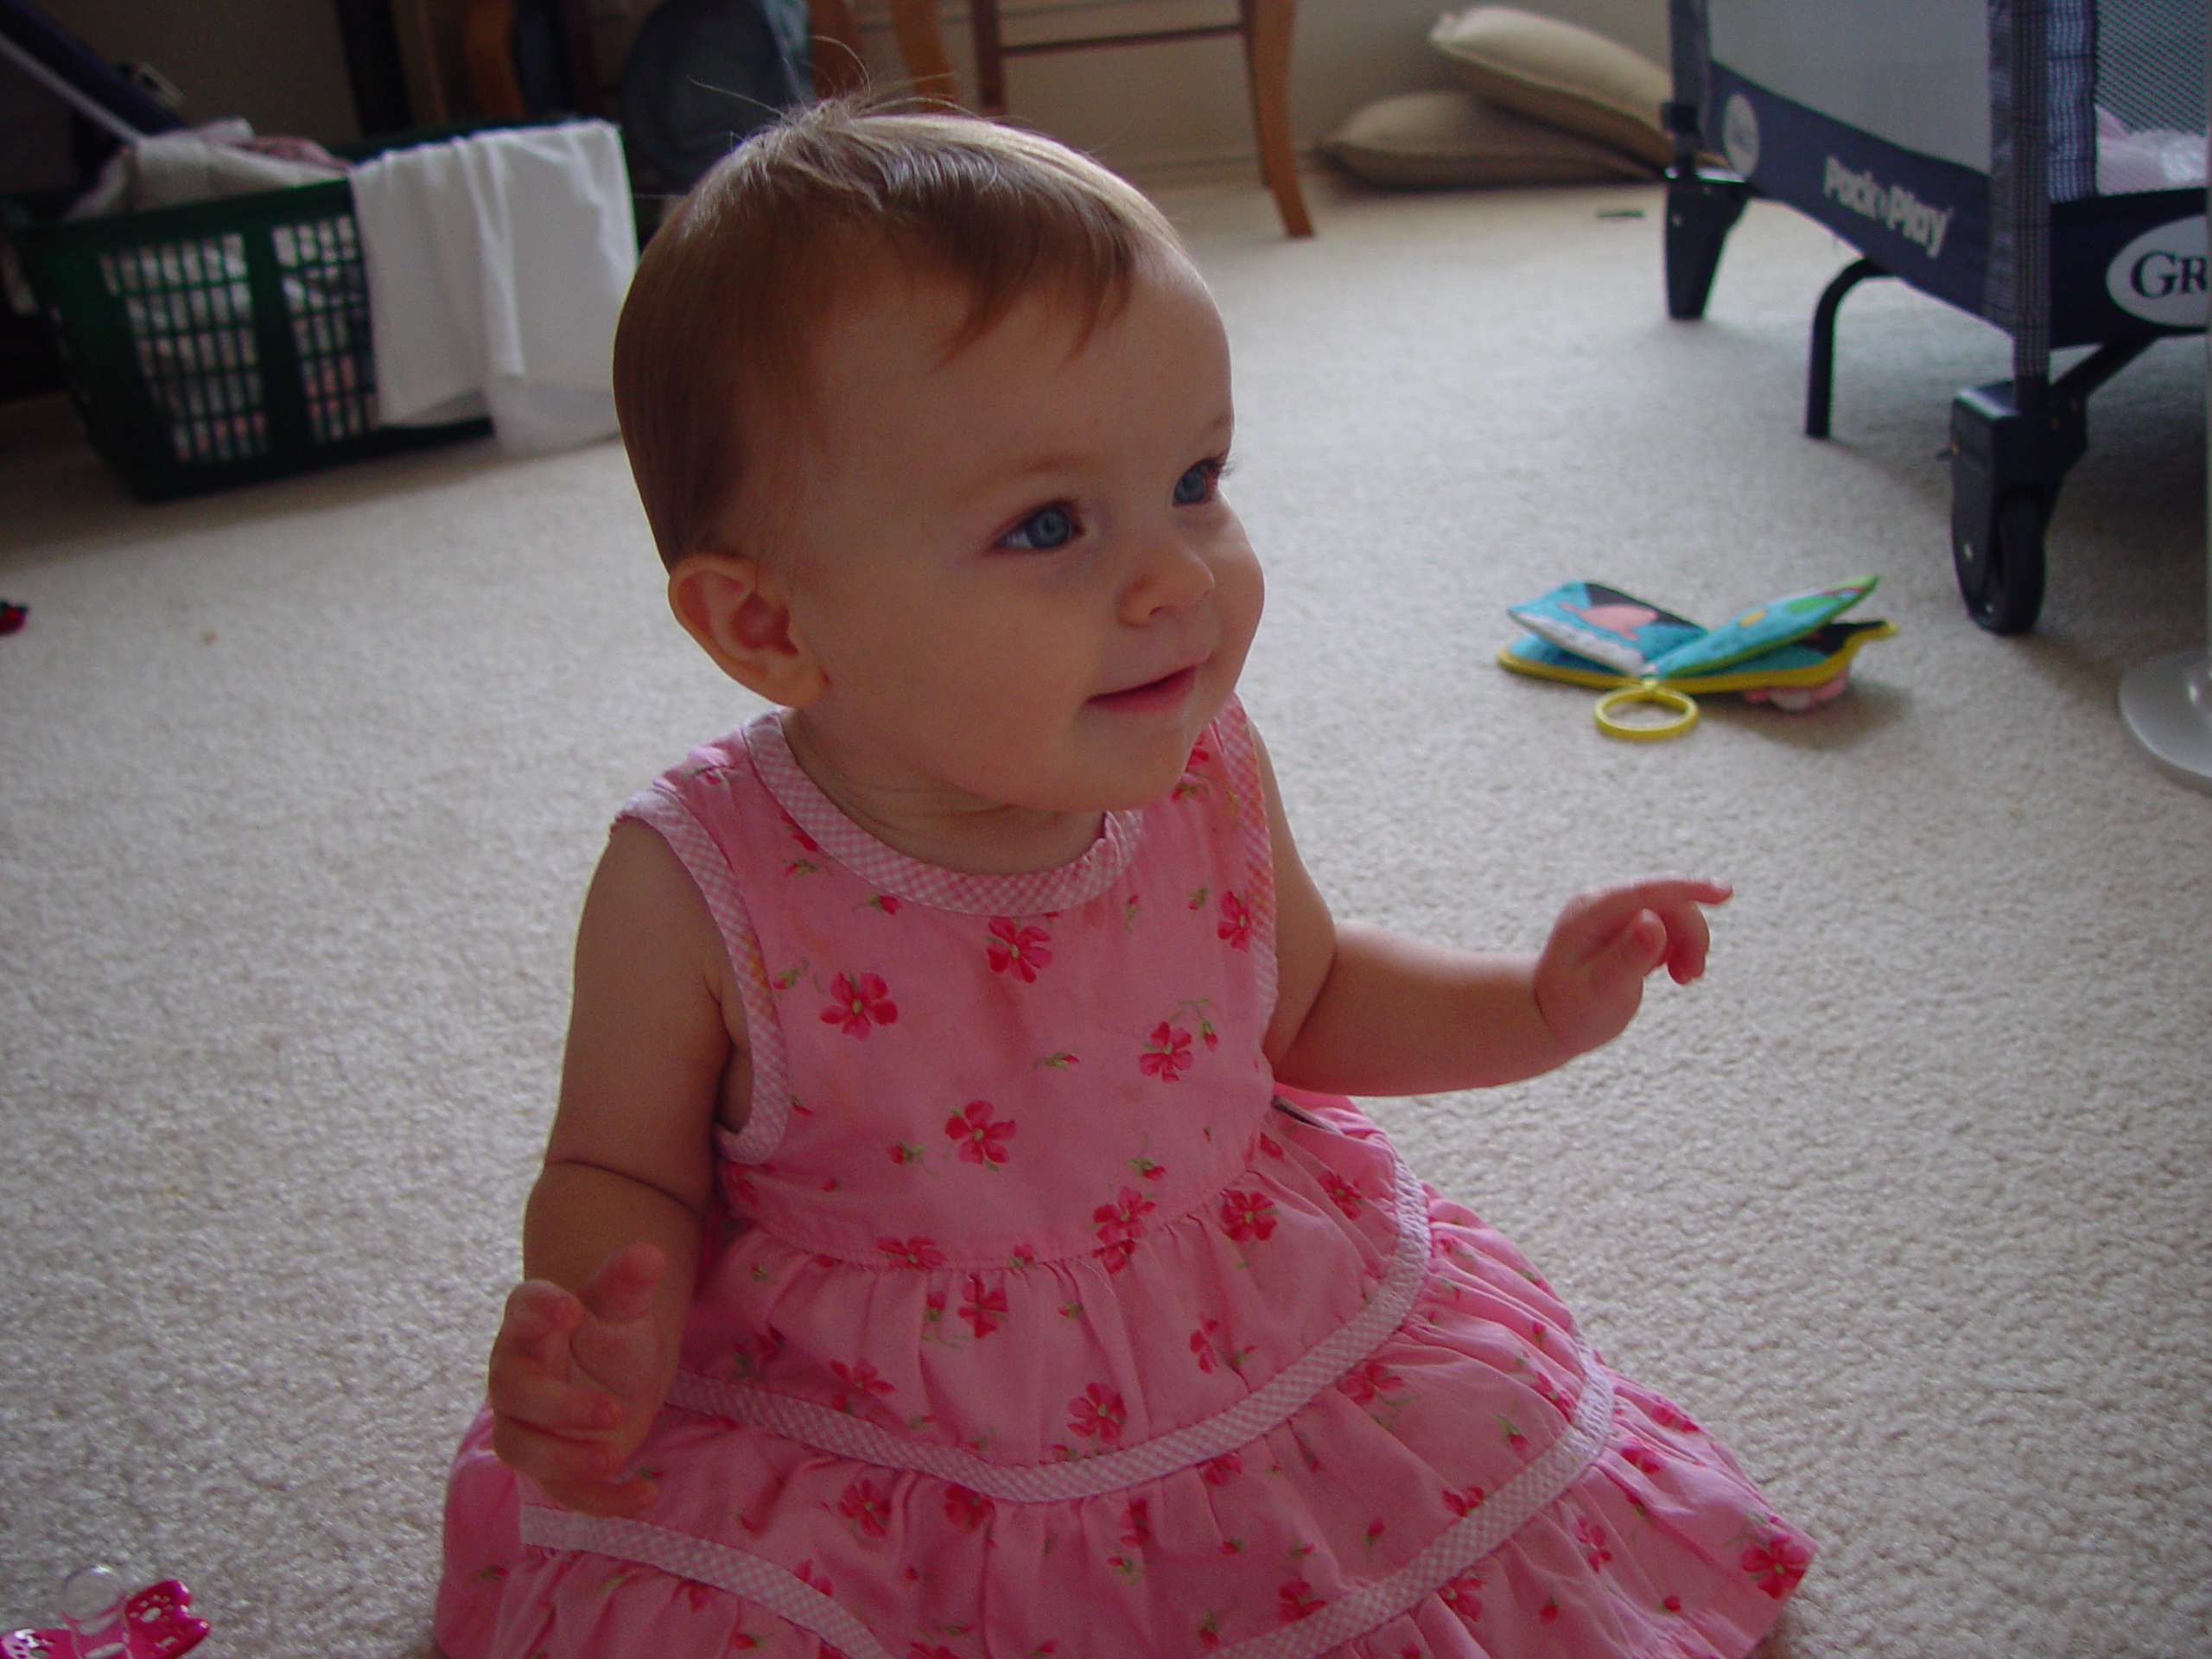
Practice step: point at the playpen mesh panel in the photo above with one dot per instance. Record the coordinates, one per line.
(2150, 62)
(2069, 113)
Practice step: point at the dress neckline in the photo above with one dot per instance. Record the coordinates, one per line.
(1012, 894)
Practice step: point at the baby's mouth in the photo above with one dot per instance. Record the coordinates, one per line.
(1162, 693)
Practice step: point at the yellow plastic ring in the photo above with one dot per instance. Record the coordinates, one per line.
(1648, 691)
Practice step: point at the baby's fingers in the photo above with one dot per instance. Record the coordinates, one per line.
(1688, 941)
(535, 1328)
(527, 1393)
(585, 1475)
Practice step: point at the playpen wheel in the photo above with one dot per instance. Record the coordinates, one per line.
(2000, 571)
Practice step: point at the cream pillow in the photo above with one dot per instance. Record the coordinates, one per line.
(1562, 73)
(1427, 139)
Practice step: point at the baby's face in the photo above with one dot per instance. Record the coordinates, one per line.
(1013, 564)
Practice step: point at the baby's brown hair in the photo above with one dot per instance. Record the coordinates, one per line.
(712, 353)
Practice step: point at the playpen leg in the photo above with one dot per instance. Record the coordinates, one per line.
(1701, 209)
(2010, 455)
(1819, 385)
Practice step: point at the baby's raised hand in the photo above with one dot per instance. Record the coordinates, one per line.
(575, 1380)
(1590, 979)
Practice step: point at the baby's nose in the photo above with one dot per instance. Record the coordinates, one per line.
(1170, 575)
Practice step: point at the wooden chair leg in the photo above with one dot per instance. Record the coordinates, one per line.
(1267, 25)
(487, 54)
(990, 61)
(835, 49)
(921, 48)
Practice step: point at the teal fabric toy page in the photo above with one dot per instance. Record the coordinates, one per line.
(1605, 625)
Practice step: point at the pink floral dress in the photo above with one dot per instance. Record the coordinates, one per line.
(1041, 1321)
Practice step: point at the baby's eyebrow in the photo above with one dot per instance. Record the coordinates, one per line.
(1048, 462)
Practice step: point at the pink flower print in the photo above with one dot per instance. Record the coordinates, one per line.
(797, 834)
(1297, 1601)
(1167, 1054)
(1269, 1145)
(904, 1152)
(1777, 1564)
(1235, 921)
(1017, 949)
(1116, 1256)
(1639, 1456)
(1466, 1500)
(1136, 1523)
(1123, 1221)
(1552, 1395)
(1370, 1381)
(1668, 1417)
(1459, 1596)
(966, 1509)
(1549, 1611)
(985, 1310)
(888, 903)
(866, 1508)
(1215, 1471)
(982, 1139)
(1099, 1414)
(923, 1650)
(916, 1252)
(1514, 1437)
(855, 1004)
(1202, 1344)
(1200, 756)
(861, 1378)
(1246, 1215)
(1374, 1534)
(1592, 1537)
(1343, 1194)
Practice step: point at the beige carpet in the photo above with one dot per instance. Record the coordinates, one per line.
(299, 785)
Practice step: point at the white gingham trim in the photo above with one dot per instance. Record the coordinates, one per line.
(1460, 1545)
(1031, 892)
(781, 1593)
(1451, 1553)
(1233, 730)
(848, 1436)
(663, 809)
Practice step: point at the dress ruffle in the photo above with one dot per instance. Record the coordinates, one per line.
(1658, 1544)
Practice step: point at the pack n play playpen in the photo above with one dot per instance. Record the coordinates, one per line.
(2040, 164)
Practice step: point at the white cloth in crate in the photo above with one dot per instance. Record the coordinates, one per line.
(497, 264)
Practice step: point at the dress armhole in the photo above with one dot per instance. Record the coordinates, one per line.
(662, 809)
(1240, 761)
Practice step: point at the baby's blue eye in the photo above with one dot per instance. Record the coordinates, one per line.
(1197, 485)
(1044, 529)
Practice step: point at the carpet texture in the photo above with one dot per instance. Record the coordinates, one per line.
(1910, 1200)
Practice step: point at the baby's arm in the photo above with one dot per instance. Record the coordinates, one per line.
(1362, 1011)
(611, 1237)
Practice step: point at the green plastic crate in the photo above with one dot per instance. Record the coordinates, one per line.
(220, 342)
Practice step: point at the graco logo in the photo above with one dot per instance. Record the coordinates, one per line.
(2159, 276)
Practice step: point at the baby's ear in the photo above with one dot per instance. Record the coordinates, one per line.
(740, 612)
